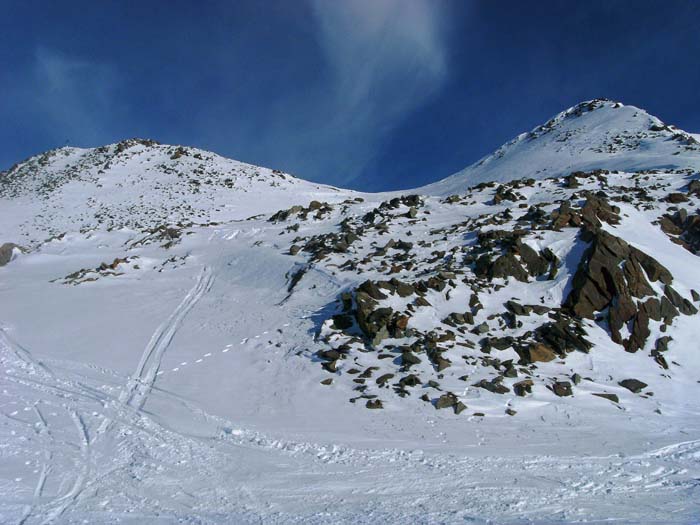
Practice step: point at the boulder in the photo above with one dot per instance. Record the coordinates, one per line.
(610, 397)
(562, 388)
(523, 387)
(6, 251)
(633, 385)
(507, 265)
(538, 352)
(383, 379)
(494, 386)
(449, 400)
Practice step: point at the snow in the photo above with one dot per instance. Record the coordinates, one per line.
(182, 388)
(611, 136)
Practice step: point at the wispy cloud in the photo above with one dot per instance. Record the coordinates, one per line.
(385, 58)
(73, 96)
(381, 60)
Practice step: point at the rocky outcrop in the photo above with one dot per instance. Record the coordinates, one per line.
(613, 278)
(6, 252)
(683, 228)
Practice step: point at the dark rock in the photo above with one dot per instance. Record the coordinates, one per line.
(633, 385)
(563, 336)
(538, 352)
(683, 305)
(6, 251)
(410, 380)
(562, 388)
(342, 321)
(611, 397)
(374, 404)
(610, 275)
(408, 359)
(676, 198)
(518, 309)
(383, 379)
(494, 386)
(523, 387)
(535, 264)
(330, 366)
(507, 265)
(330, 355)
(446, 400)
(441, 363)
(371, 289)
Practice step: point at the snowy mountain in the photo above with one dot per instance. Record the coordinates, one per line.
(186, 338)
(139, 183)
(597, 134)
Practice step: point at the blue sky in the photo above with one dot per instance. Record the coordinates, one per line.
(368, 94)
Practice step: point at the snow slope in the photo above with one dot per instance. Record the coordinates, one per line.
(597, 134)
(161, 356)
(139, 183)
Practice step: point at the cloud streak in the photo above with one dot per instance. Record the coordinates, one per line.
(385, 59)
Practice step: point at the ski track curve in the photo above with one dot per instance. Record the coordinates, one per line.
(137, 388)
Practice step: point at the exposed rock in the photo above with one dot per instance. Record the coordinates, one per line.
(563, 336)
(6, 251)
(633, 385)
(371, 289)
(521, 388)
(507, 265)
(610, 275)
(448, 400)
(494, 386)
(383, 379)
(562, 388)
(408, 358)
(611, 397)
(538, 352)
(676, 198)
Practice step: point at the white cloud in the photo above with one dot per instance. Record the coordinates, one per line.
(386, 58)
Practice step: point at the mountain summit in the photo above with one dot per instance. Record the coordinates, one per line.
(597, 134)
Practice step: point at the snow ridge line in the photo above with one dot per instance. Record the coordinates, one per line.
(139, 385)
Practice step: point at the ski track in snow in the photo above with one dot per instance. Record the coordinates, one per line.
(349, 485)
(136, 391)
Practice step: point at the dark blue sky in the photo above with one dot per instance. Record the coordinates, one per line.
(370, 94)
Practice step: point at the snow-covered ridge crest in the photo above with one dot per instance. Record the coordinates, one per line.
(595, 134)
(139, 183)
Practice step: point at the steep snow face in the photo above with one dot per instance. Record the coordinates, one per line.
(599, 134)
(139, 184)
